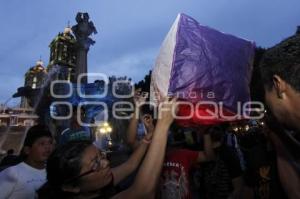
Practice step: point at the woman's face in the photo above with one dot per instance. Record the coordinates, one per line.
(96, 167)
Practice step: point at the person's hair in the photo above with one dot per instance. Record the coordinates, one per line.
(36, 132)
(75, 110)
(147, 109)
(283, 60)
(62, 165)
(216, 133)
(10, 151)
(177, 137)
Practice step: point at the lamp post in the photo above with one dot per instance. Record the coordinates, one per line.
(105, 130)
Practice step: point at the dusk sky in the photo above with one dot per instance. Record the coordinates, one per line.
(130, 32)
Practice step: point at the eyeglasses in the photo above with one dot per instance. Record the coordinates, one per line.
(95, 167)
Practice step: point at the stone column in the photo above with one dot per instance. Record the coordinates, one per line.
(81, 65)
(82, 31)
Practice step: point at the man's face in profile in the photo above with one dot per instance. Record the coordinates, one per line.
(280, 107)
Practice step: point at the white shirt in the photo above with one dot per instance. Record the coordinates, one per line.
(21, 181)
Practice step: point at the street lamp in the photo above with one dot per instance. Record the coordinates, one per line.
(105, 129)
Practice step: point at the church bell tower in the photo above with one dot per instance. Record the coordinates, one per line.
(63, 58)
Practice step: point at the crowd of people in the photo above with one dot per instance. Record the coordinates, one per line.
(162, 164)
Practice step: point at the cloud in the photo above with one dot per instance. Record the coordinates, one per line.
(134, 65)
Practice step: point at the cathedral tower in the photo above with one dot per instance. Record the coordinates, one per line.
(34, 78)
(62, 63)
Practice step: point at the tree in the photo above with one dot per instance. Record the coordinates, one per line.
(256, 85)
(145, 83)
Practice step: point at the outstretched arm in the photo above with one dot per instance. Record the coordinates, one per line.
(125, 169)
(148, 175)
(132, 130)
(139, 100)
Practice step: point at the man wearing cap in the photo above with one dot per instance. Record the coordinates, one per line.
(75, 131)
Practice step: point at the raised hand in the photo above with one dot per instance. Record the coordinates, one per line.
(167, 111)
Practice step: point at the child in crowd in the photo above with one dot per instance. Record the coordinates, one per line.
(79, 170)
(222, 176)
(174, 182)
(24, 179)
